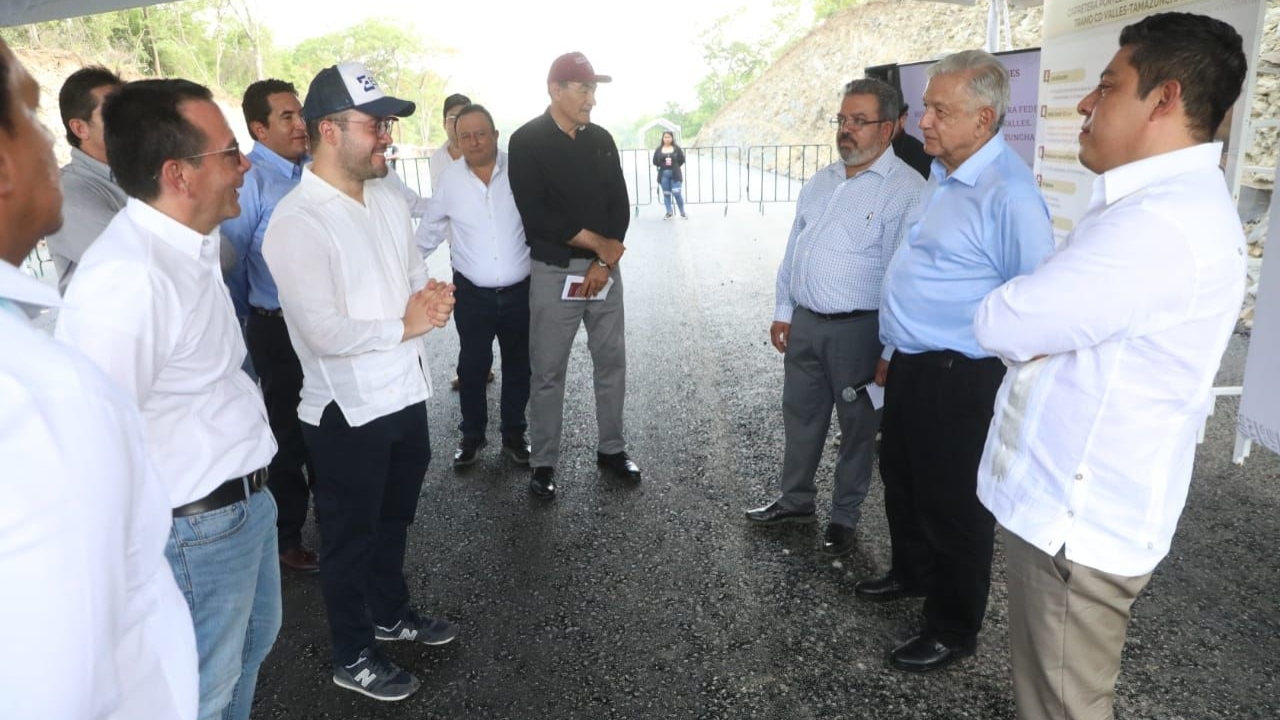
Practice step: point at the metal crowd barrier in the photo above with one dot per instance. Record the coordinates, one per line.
(775, 173)
(713, 174)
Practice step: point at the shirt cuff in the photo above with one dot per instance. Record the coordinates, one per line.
(783, 313)
(887, 353)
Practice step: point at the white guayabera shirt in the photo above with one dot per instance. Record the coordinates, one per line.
(83, 525)
(1092, 446)
(345, 271)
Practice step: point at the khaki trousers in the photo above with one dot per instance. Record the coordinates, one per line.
(1066, 630)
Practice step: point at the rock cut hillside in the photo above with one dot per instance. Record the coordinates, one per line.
(791, 102)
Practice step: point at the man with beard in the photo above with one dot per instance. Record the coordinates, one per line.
(148, 305)
(849, 220)
(274, 116)
(357, 301)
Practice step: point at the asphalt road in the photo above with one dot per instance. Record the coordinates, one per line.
(657, 601)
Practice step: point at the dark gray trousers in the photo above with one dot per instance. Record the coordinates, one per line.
(826, 361)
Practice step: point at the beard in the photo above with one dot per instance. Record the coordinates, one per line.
(855, 155)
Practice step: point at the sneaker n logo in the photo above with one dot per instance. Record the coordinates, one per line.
(407, 634)
(365, 677)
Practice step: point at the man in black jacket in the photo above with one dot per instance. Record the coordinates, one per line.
(908, 148)
(568, 185)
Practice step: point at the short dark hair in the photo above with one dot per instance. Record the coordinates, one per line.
(145, 128)
(1204, 55)
(256, 103)
(453, 100)
(887, 96)
(473, 108)
(903, 111)
(76, 100)
(6, 101)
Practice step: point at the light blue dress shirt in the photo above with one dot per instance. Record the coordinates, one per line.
(268, 180)
(973, 231)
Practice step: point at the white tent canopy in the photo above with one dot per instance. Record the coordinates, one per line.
(25, 12)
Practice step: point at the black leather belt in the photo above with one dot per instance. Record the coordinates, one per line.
(231, 491)
(944, 359)
(277, 313)
(841, 316)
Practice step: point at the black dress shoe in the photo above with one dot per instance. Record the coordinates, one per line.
(542, 482)
(925, 652)
(516, 447)
(884, 589)
(775, 514)
(466, 452)
(619, 464)
(837, 540)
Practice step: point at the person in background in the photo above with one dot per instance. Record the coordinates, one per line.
(90, 197)
(274, 118)
(85, 515)
(448, 153)
(669, 159)
(908, 149)
(491, 272)
(1113, 344)
(149, 306)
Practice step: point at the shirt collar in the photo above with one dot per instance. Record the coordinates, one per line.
(264, 157)
(499, 166)
(970, 170)
(1119, 183)
(26, 292)
(98, 168)
(172, 232)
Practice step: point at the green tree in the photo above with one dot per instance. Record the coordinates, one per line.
(394, 54)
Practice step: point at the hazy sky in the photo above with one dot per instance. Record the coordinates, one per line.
(504, 47)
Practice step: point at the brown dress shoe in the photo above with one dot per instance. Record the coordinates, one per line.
(300, 559)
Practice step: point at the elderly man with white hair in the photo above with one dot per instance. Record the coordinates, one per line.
(981, 222)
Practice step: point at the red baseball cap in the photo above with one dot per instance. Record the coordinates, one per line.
(575, 67)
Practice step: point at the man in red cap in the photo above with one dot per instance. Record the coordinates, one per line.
(569, 188)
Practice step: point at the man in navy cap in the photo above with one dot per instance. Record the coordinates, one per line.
(569, 188)
(357, 301)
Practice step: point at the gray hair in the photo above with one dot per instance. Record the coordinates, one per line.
(888, 96)
(988, 79)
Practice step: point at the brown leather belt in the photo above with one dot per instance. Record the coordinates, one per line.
(229, 492)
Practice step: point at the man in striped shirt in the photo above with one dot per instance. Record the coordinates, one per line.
(849, 220)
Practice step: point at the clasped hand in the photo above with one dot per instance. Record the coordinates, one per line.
(429, 308)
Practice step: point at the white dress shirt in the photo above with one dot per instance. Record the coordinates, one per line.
(345, 272)
(488, 236)
(1092, 446)
(93, 625)
(149, 306)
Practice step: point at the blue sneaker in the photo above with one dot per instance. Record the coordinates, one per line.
(429, 631)
(376, 676)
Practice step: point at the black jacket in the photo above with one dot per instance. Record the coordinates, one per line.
(677, 161)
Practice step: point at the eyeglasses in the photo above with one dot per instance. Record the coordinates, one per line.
(233, 151)
(381, 126)
(855, 123)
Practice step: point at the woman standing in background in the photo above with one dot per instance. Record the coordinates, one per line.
(669, 158)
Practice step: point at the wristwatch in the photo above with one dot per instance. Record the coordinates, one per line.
(602, 263)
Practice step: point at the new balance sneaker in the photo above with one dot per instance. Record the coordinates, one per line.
(376, 676)
(415, 628)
